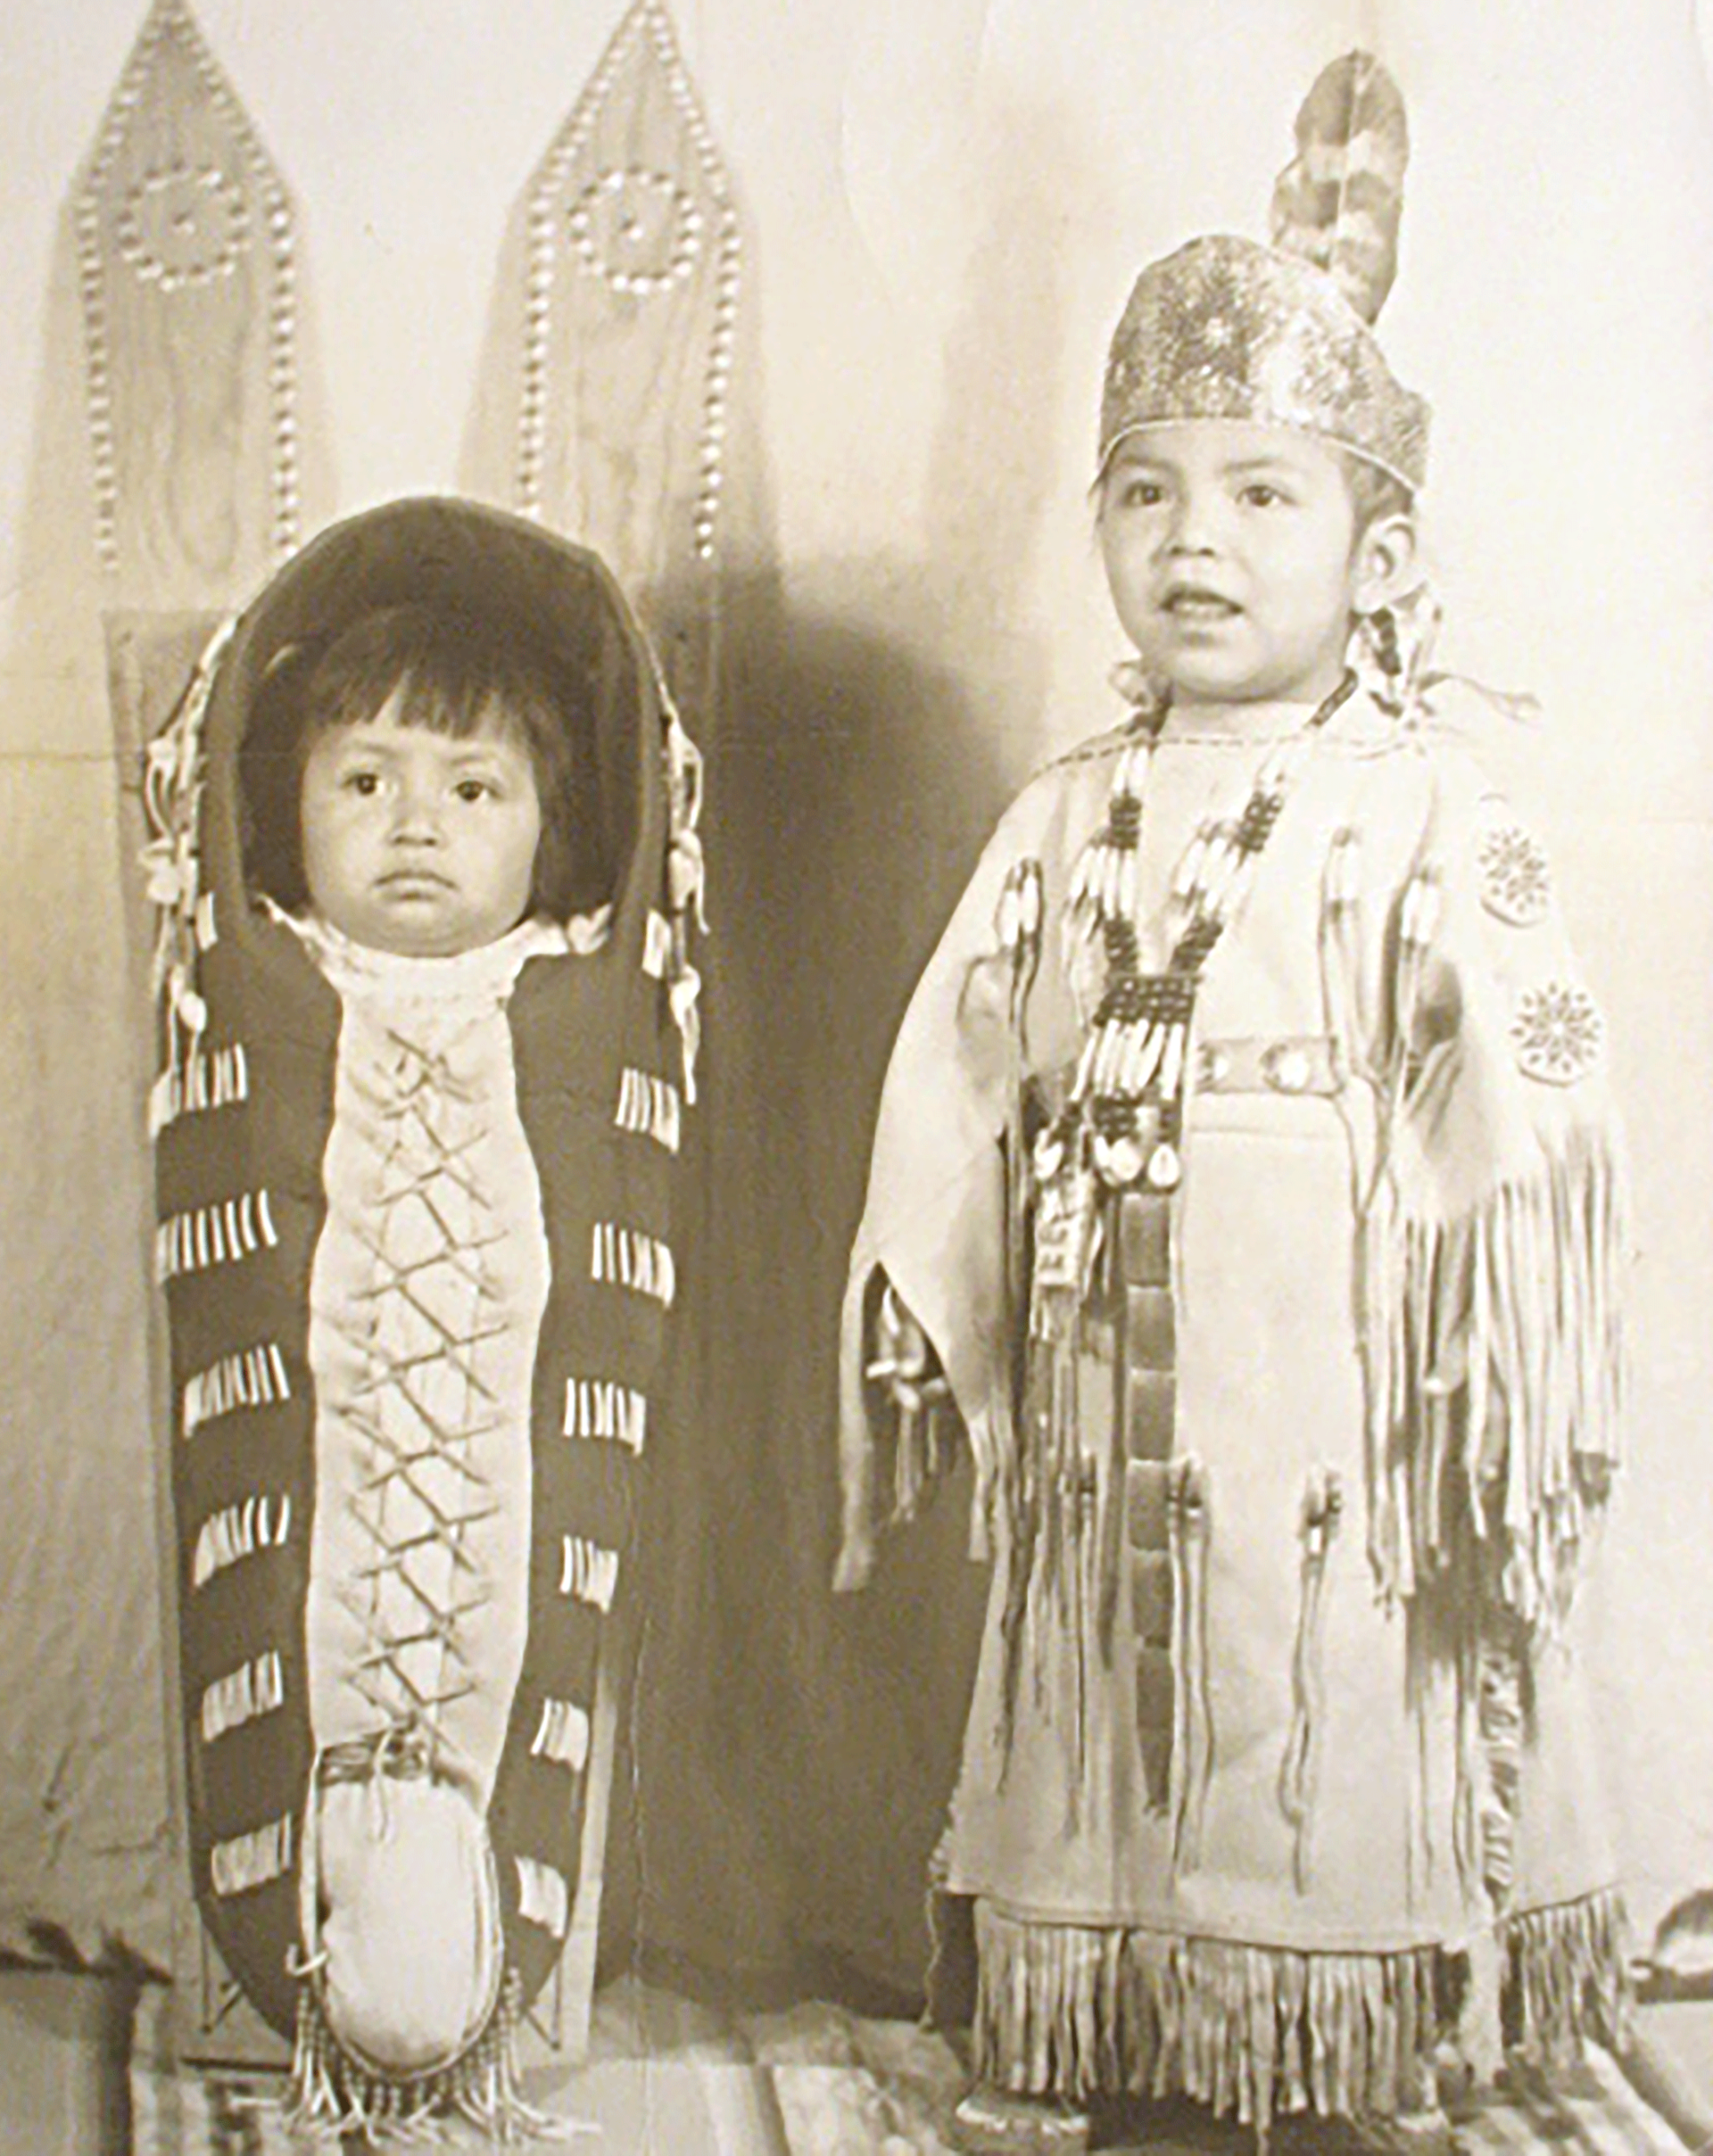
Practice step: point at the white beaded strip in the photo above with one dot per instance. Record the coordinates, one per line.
(646, 18)
(214, 1234)
(563, 1735)
(650, 1107)
(625, 1257)
(249, 1377)
(589, 1573)
(169, 21)
(544, 1897)
(236, 1532)
(614, 1414)
(208, 1078)
(252, 1860)
(244, 1695)
(656, 946)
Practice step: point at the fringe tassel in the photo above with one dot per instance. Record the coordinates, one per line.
(562, 1736)
(599, 1408)
(1566, 1975)
(625, 1257)
(206, 1078)
(332, 2095)
(1493, 1687)
(239, 1531)
(650, 1107)
(255, 1689)
(221, 1234)
(1298, 1777)
(544, 1897)
(1250, 2031)
(249, 1377)
(656, 945)
(1187, 1503)
(589, 1572)
(1505, 1319)
(252, 1860)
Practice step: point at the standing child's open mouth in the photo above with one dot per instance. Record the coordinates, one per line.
(1199, 603)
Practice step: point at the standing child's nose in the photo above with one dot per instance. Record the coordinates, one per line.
(1193, 526)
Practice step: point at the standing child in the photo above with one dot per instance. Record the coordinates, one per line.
(1245, 1181)
(427, 850)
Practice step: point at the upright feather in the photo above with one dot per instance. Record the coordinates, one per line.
(1338, 203)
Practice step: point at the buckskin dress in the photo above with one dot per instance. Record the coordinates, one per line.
(1276, 1767)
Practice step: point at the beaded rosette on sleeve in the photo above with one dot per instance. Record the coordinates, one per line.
(598, 1044)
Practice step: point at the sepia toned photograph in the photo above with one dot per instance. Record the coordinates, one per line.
(857, 916)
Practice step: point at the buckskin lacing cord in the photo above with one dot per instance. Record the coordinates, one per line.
(426, 1166)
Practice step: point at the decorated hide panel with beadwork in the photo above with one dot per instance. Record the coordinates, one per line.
(405, 1486)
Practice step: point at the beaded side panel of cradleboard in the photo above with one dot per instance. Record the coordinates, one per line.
(624, 306)
(187, 271)
(188, 282)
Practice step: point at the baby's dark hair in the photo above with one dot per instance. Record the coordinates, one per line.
(452, 672)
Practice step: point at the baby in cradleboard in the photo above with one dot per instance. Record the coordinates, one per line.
(430, 1032)
(1245, 1184)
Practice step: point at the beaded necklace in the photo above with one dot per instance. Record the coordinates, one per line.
(1127, 1094)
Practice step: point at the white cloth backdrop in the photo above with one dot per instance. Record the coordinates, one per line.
(946, 201)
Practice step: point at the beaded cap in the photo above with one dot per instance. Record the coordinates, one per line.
(1225, 328)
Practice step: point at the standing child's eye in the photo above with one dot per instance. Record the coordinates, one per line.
(1262, 494)
(1140, 494)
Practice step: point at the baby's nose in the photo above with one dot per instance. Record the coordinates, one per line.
(418, 820)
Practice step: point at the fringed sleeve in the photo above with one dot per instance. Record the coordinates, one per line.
(1495, 1247)
(933, 1225)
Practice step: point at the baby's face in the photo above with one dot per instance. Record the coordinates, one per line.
(416, 842)
(1230, 549)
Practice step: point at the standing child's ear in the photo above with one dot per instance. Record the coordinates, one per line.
(1383, 568)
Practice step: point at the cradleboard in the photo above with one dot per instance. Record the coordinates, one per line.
(385, 1907)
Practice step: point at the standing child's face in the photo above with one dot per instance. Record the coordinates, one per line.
(419, 843)
(1232, 553)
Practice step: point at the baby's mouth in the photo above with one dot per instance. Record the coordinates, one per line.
(404, 882)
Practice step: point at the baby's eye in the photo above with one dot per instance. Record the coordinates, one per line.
(364, 783)
(472, 789)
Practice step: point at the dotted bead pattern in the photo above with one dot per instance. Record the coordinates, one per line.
(184, 227)
(614, 216)
(635, 194)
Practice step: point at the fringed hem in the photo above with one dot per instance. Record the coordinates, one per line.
(1496, 1356)
(332, 2094)
(1567, 1976)
(1076, 2011)
(1254, 2031)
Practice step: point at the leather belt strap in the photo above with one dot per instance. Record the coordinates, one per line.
(1277, 1063)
